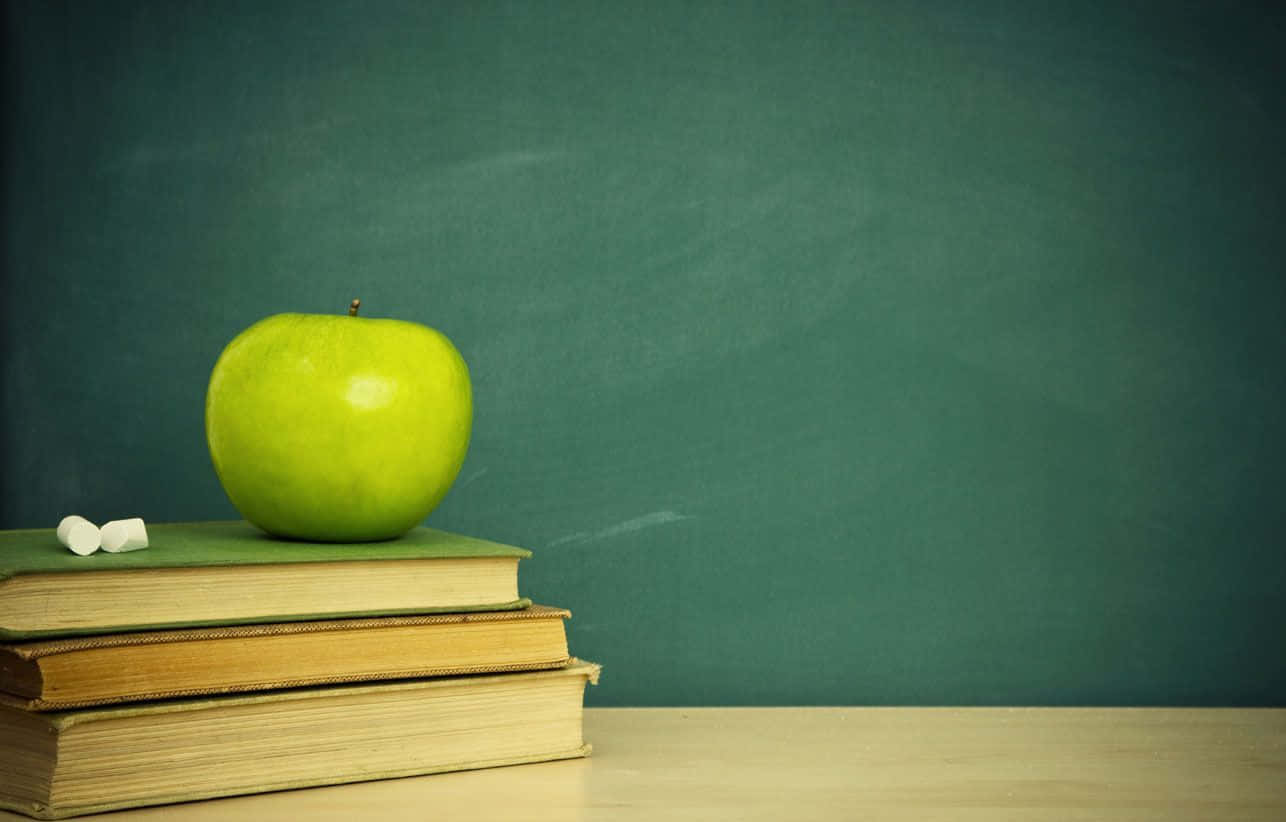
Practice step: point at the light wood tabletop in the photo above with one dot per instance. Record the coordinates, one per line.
(842, 764)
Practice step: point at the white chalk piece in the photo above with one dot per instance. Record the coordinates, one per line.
(79, 535)
(121, 535)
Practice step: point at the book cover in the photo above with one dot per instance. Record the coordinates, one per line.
(115, 668)
(222, 573)
(67, 763)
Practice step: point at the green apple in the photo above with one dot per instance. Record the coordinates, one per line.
(338, 428)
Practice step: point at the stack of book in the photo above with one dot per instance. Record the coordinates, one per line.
(221, 662)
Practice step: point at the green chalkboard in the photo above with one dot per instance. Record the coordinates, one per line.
(874, 353)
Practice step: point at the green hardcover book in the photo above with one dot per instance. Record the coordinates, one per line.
(229, 573)
(98, 759)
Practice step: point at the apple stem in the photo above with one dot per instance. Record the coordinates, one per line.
(353, 306)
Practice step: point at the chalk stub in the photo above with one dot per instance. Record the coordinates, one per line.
(121, 535)
(79, 535)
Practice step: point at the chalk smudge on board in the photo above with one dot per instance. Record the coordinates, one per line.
(475, 475)
(508, 161)
(636, 524)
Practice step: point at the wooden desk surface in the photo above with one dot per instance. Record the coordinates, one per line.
(841, 764)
